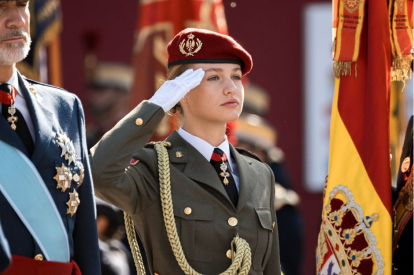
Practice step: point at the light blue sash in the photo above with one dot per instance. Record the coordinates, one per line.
(26, 192)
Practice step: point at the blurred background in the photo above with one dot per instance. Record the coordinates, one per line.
(112, 54)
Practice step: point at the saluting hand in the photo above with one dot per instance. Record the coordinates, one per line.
(172, 91)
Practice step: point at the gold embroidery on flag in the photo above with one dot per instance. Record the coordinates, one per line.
(346, 244)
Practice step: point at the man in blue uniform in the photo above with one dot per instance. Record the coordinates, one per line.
(55, 195)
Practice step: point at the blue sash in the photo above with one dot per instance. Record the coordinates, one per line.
(26, 192)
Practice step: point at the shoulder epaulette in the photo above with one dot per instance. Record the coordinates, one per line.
(248, 153)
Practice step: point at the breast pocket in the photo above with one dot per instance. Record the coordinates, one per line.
(195, 226)
(264, 238)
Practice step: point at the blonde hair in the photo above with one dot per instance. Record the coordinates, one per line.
(172, 73)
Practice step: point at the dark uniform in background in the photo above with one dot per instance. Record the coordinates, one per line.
(403, 206)
(255, 134)
(107, 98)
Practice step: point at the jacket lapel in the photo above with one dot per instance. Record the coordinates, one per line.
(42, 119)
(10, 137)
(247, 177)
(196, 166)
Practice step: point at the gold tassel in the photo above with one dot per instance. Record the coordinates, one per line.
(401, 68)
(342, 68)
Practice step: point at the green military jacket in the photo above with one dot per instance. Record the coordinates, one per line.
(206, 232)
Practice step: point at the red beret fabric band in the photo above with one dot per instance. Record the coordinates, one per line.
(202, 46)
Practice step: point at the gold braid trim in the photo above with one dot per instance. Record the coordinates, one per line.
(133, 243)
(241, 254)
(401, 68)
(342, 68)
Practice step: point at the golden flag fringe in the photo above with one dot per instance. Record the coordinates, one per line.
(401, 27)
(348, 19)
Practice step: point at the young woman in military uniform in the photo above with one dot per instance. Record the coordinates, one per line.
(200, 206)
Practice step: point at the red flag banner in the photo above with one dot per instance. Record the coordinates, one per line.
(349, 20)
(401, 23)
(159, 22)
(356, 231)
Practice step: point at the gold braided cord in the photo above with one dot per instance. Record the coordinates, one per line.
(240, 249)
(133, 243)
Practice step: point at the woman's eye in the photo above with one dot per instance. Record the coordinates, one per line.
(237, 77)
(212, 77)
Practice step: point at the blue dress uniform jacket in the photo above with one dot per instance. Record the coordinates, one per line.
(54, 110)
(4, 251)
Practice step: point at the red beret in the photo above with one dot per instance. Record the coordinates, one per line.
(202, 46)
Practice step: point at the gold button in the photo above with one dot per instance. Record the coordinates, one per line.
(187, 210)
(273, 224)
(228, 254)
(139, 121)
(232, 221)
(39, 257)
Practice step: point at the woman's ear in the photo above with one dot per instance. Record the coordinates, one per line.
(183, 101)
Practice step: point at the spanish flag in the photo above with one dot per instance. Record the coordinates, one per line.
(356, 231)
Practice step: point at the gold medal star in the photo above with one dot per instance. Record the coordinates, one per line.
(73, 203)
(63, 177)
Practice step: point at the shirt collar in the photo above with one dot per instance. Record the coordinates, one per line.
(205, 148)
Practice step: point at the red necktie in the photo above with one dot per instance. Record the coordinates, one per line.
(14, 117)
(221, 165)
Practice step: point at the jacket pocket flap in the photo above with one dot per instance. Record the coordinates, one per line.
(192, 209)
(265, 218)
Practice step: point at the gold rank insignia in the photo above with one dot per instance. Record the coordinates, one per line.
(63, 177)
(68, 150)
(73, 203)
(190, 45)
(78, 178)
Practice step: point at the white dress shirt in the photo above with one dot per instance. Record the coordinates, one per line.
(206, 149)
(21, 104)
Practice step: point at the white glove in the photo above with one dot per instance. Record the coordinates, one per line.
(172, 91)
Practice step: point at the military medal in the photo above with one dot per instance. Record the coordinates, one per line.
(78, 178)
(73, 203)
(63, 177)
(12, 119)
(68, 150)
(9, 98)
(224, 174)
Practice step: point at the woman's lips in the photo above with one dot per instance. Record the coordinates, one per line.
(230, 103)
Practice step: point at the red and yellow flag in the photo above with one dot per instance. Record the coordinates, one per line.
(159, 22)
(356, 231)
(401, 24)
(348, 18)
